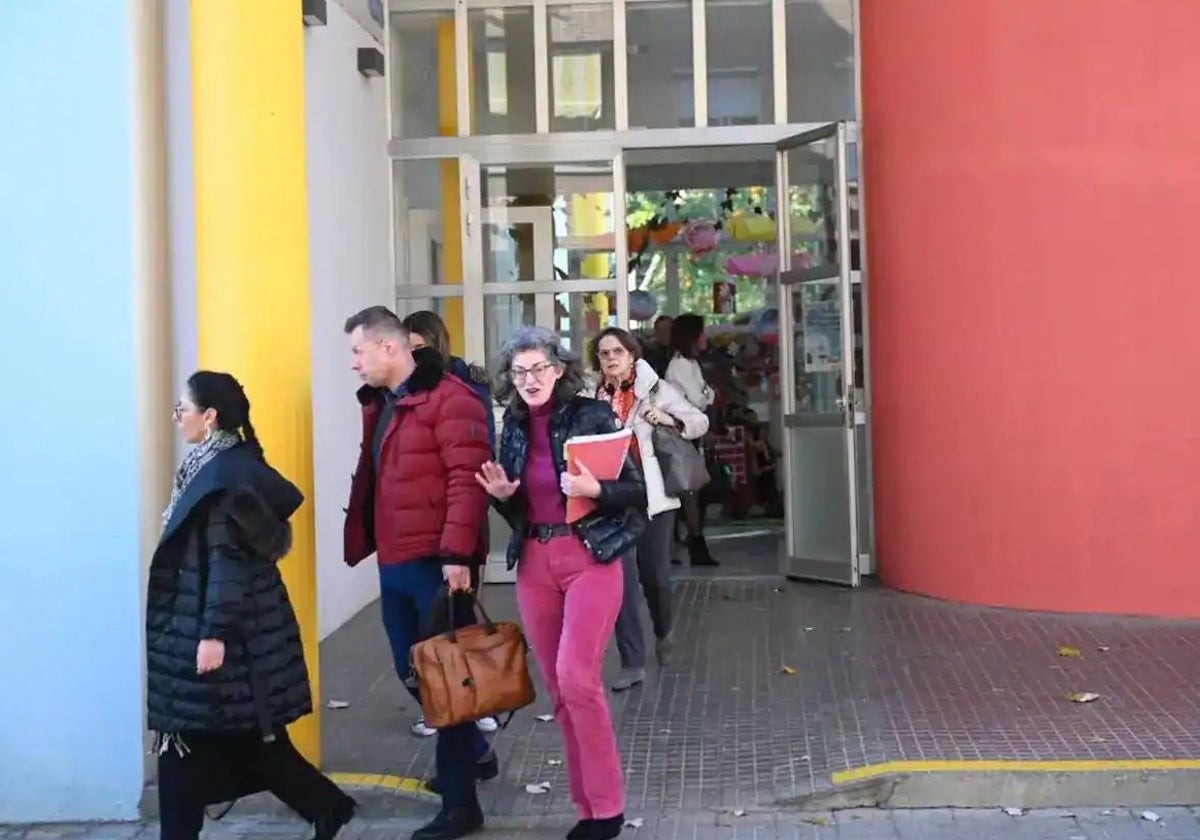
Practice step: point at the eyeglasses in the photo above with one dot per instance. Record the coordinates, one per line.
(613, 353)
(538, 371)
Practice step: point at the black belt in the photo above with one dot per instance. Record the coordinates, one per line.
(545, 533)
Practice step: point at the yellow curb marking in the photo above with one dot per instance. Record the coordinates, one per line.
(396, 784)
(872, 771)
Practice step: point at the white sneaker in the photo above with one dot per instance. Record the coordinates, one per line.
(487, 724)
(421, 730)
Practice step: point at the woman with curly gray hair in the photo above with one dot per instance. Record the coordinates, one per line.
(569, 576)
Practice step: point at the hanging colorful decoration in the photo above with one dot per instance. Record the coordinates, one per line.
(699, 235)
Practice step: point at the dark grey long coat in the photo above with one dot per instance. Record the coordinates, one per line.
(214, 575)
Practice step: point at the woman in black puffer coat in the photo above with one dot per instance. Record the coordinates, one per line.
(225, 666)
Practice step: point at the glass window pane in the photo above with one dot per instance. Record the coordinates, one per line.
(820, 60)
(581, 67)
(548, 222)
(661, 91)
(580, 315)
(423, 96)
(502, 314)
(741, 86)
(502, 71)
(428, 241)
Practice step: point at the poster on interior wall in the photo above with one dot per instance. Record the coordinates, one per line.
(822, 336)
(724, 298)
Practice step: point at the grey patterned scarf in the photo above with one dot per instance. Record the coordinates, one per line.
(194, 461)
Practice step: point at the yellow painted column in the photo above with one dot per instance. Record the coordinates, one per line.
(450, 194)
(252, 290)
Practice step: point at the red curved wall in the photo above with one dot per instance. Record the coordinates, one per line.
(1032, 190)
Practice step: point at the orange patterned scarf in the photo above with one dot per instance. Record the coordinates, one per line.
(622, 399)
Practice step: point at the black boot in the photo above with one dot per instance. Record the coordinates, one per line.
(605, 829)
(698, 551)
(581, 831)
(486, 768)
(327, 826)
(452, 823)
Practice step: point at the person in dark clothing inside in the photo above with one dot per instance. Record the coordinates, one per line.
(659, 351)
(415, 504)
(225, 669)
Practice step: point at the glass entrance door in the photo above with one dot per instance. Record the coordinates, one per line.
(822, 414)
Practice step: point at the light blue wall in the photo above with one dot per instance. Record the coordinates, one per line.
(70, 601)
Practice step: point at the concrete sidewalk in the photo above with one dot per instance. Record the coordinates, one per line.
(1088, 824)
(810, 696)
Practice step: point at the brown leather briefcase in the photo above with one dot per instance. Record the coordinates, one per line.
(471, 672)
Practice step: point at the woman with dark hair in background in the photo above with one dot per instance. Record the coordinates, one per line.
(225, 669)
(569, 576)
(689, 340)
(427, 329)
(642, 401)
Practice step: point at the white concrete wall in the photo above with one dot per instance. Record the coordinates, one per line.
(349, 254)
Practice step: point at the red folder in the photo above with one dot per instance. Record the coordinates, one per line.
(604, 455)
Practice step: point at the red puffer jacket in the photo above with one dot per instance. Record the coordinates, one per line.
(425, 503)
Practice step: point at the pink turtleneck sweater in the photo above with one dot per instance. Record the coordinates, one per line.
(547, 506)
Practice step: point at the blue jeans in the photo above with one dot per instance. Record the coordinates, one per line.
(407, 592)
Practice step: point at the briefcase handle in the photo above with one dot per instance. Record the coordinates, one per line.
(477, 607)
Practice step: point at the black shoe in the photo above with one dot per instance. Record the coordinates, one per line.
(327, 827)
(486, 768)
(605, 829)
(581, 831)
(698, 551)
(452, 823)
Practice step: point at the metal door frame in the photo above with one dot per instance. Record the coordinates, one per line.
(845, 570)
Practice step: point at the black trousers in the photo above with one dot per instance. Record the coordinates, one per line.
(219, 767)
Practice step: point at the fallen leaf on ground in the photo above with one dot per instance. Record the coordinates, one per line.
(1068, 652)
(788, 669)
(545, 718)
(1104, 648)
(337, 704)
(636, 822)
(739, 812)
(1150, 816)
(1083, 697)
(537, 787)
(1015, 812)
(817, 821)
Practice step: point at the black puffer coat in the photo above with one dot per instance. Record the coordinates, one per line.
(620, 518)
(214, 576)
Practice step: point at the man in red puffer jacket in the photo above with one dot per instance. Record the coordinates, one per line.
(414, 502)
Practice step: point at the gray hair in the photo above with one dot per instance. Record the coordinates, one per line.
(548, 342)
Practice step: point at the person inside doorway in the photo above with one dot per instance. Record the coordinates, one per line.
(415, 503)
(569, 576)
(642, 401)
(689, 341)
(225, 669)
(658, 351)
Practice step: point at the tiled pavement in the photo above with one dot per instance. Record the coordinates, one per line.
(879, 676)
(1086, 824)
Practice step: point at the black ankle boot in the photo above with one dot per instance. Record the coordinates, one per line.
(452, 823)
(605, 829)
(698, 551)
(581, 831)
(327, 826)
